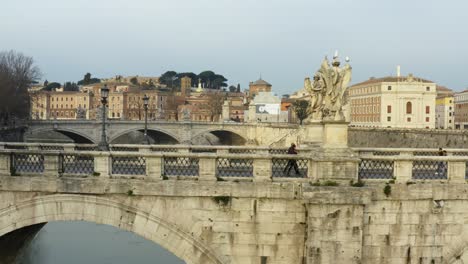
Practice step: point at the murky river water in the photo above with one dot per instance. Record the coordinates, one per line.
(83, 242)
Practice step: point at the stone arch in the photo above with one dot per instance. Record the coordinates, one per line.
(76, 136)
(152, 132)
(70, 207)
(457, 251)
(231, 138)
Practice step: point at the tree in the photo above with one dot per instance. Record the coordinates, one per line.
(232, 89)
(168, 78)
(69, 86)
(238, 88)
(301, 108)
(17, 73)
(88, 80)
(193, 77)
(134, 80)
(52, 86)
(215, 105)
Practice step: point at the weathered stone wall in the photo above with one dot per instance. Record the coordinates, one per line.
(245, 222)
(407, 138)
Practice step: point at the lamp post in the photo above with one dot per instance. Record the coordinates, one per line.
(103, 146)
(145, 103)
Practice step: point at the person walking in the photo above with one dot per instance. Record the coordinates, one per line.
(441, 164)
(292, 162)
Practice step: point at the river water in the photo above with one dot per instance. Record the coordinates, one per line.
(90, 243)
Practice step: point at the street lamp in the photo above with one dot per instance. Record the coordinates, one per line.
(103, 146)
(145, 103)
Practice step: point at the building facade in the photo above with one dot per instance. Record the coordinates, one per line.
(404, 102)
(461, 110)
(258, 86)
(445, 105)
(266, 108)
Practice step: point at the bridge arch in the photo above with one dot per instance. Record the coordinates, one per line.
(76, 136)
(225, 136)
(157, 135)
(117, 213)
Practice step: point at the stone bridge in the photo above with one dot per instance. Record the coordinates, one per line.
(265, 134)
(408, 207)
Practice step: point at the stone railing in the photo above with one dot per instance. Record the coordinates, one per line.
(410, 165)
(151, 148)
(258, 167)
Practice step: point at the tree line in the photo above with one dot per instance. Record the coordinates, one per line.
(209, 79)
(17, 74)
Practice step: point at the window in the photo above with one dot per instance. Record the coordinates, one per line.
(84, 106)
(428, 109)
(389, 109)
(389, 88)
(450, 101)
(450, 108)
(409, 108)
(389, 118)
(428, 88)
(450, 121)
(118, 114)
(408, 119)
(427, 119)
(450, 113)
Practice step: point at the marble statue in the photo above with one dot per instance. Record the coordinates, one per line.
(327, 90)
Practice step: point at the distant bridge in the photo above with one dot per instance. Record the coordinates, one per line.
(265, 134)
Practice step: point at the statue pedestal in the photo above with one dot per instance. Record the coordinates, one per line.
(334, 161)
(335, 134)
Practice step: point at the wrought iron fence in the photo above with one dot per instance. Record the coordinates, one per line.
(129, 165)
(426, 153)
(130, 149)
(459, 153)
(375, 169)
(242, 151)
(180, 166)
(429, 170)
(281, 167)
(15, 147)
(164, 149)
(76, 164)
(386, 153)
(51, 147)
(29, 163)
(86, 148)
(203, 150)
(278, 151)
(228, 167)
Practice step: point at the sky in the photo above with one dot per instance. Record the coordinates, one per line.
(281, 41)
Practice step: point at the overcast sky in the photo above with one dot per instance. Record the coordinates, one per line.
(284, 41)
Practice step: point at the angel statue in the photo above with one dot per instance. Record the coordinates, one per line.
(327, 90)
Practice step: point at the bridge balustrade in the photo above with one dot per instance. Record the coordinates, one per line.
(412, 165)
(172, 165)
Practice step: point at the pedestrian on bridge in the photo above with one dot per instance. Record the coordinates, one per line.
(441, 164)
(292, 162)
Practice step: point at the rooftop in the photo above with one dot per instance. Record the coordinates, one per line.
(409, 78)
(260, 82)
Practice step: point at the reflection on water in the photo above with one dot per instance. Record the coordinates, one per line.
(83, 242)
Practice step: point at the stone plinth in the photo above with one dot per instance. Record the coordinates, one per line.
(335, 134)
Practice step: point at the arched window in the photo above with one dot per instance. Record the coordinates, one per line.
(409, 108)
